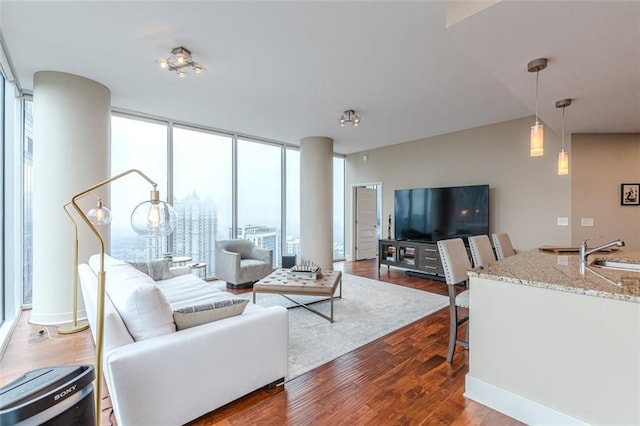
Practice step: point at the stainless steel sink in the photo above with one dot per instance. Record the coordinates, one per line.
(618, 266)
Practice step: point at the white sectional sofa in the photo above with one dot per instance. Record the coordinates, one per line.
(158, 375)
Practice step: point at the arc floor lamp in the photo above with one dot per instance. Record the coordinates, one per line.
(152, 218)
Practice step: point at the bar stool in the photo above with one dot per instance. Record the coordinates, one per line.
(481, 250)
(455, 263)
(502, 243)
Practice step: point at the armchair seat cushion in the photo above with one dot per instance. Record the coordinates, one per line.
(251, 263)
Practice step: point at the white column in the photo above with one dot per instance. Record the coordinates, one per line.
(316, 201)
(71, 152)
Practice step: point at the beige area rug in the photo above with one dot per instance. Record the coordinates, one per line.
(369, 309)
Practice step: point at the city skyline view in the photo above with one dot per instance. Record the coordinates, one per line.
(202, 191)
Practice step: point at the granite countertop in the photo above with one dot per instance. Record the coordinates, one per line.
(562, 272)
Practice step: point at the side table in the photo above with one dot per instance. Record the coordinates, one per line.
(200, 265)
(181, 260)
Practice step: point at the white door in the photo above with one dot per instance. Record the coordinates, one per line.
(366, 232)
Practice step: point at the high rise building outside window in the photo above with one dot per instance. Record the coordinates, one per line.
(202, 193)
(142, 145)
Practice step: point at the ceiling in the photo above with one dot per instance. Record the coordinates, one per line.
(286, 70)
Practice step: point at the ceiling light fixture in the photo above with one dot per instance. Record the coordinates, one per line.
(563, 156)
(537, 130)
(180, 61)
(349, 116)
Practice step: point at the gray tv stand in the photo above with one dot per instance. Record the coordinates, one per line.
(417, 257)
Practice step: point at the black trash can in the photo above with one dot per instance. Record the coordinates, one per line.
(53, 396)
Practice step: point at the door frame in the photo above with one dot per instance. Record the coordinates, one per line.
(352, 214)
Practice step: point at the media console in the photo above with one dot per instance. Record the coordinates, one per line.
(420, 257)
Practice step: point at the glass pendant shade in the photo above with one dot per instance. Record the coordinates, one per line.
(563, 163)
(153, 217)
(99, 216)
(537, 140)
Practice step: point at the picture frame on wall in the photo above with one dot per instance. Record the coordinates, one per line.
(630, 194)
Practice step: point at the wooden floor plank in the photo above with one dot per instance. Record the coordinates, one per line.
(399, 379)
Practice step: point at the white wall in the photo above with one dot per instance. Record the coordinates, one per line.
(526, 194)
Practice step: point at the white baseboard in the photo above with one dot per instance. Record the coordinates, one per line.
(513, 405)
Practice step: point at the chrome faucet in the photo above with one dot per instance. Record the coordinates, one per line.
(584, 252)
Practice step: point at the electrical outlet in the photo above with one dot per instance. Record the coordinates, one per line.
(563, 221)
(586, 221)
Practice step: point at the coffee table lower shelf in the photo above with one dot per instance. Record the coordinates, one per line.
(278, 282)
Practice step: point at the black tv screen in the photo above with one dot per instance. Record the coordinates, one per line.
(432, 214)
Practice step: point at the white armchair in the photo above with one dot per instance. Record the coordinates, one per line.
(240, 263)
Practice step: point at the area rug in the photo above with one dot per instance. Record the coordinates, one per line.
(369, 309)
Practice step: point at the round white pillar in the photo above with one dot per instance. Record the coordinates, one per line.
(316, 201)
(71, 121)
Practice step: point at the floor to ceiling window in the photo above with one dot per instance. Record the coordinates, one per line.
(202, 193)
(12, 289)
(142, 145)
(206, 199)
(27, 195)
(2, 209)
(292, 234)
(260, 195)
(338, 208)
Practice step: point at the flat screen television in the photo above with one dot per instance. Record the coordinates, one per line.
(432, 214)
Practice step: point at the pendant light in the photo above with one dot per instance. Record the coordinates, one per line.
(563, 156)
(537, 130)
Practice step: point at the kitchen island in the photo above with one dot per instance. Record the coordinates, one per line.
(550, 346)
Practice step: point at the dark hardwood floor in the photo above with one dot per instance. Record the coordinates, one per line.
(400, 379)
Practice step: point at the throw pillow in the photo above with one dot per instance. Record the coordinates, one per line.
(209, 312)
(141, 305)
(156, 269)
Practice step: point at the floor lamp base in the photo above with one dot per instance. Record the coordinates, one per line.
(73, 328)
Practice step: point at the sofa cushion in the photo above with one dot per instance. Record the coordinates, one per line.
(141, 305)
(187, 290)
(201, 314)
(156, 269)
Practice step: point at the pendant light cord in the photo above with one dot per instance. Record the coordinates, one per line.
(563, 128)
(537, 74)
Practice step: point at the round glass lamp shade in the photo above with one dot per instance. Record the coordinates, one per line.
(99, 216)
(153, 218)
